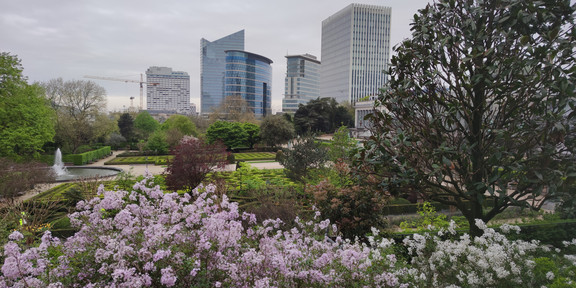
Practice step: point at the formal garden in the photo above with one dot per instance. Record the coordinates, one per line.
(467, 178)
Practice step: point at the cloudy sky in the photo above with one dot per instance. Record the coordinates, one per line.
(121, 39)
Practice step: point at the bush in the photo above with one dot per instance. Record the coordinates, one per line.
(148, 238)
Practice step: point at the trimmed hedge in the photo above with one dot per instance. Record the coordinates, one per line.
(90, 156)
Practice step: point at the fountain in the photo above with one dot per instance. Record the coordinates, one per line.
(58, 166)
(71, 173)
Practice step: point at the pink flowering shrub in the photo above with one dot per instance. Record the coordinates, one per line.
(145, 238)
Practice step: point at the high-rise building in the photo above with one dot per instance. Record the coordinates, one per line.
(167, 91)
(355, 52)
(302, 82)
(213, 68)
(249, 76)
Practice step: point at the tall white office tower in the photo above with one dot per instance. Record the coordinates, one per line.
(167, 91)
(302, 82)
(355, 52)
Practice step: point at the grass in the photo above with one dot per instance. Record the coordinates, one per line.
(163, 159)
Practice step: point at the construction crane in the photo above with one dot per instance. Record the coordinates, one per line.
(141, 82)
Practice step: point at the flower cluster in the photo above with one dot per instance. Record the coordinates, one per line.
(146, 238)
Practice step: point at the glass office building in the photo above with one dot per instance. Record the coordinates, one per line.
(213, 68)
(355, 52)
(167, 91)
(249, 75)
(302, 82)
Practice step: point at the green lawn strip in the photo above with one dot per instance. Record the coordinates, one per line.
(254, 156)
(156, 160)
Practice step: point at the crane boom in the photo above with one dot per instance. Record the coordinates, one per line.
(141, 82)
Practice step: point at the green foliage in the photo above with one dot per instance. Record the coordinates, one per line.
(349, 202)
(479, 98)
(157, 143)
(181, 123)
(26, 120)
(90, 156)
(253, 132)
(144, 125)
(246, 176)
(428, 217)
(306, 154)
(232, 134)
(321, 115)
(116, 141)
(254, 156)
(126, 126)
(276, 130)
(341, 145)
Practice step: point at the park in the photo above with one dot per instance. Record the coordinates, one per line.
(467, 178)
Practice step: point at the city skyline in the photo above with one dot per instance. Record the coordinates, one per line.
(122, 40)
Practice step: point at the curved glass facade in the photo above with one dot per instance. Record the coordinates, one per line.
(249, 75)
(213, 68)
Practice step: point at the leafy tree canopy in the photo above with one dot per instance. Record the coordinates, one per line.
(126, 126)
(26, 120)
(145, 124)
(276, 130)
(232, 134)
(180, 122)
(322, 115)
(475, 113)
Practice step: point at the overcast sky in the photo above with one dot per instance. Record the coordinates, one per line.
(121, 39)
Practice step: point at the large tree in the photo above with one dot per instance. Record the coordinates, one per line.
(144, 125)
(176, 127)
(80, 106)
(322, 115)
(126, 126)
(276, 130)
(26, 120)
(475, 113)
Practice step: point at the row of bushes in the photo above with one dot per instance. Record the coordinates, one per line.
(88, 157)
(81, 158)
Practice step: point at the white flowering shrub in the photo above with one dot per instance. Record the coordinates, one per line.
(145, 238)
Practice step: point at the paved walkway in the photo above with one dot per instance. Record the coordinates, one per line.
(142, 169)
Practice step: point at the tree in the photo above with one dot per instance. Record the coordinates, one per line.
(26, 120)
(321, 115)
(126, 126)
(78, 105)
(176, 127)
(305, 154)
(276, 130)
(144, 125)
(193, 160)
(253, 132)
(234, 109)
(475, 112)
(181, 123)
(157, 143)
(232, 134)
(341, 145)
